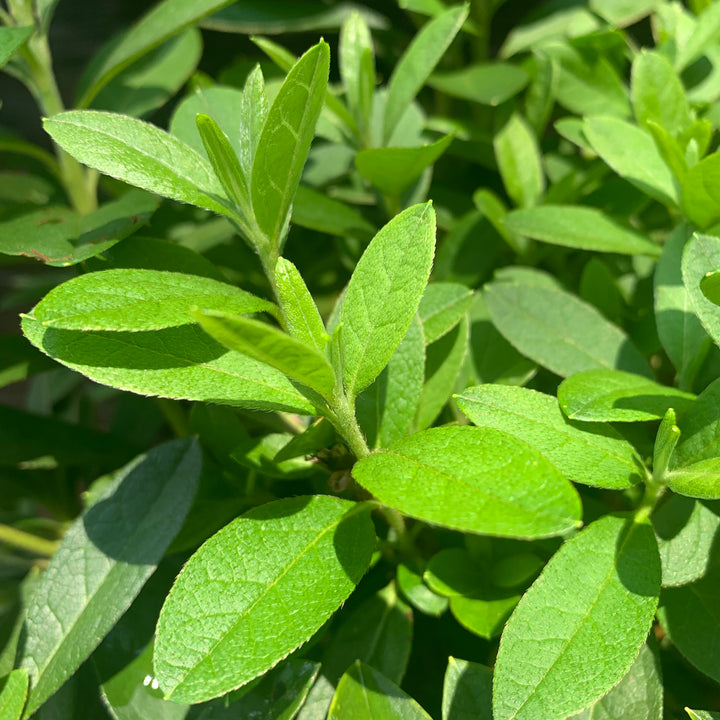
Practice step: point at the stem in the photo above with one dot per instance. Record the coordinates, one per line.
(481, 12)
(653, 492)
(26, 541)
(342, 416)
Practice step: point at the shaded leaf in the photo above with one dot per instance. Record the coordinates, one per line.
(485, 83)
(467, 691)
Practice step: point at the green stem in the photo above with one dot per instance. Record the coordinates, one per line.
(26, 541)
(653, 492)
(343, 418)
(481, 12)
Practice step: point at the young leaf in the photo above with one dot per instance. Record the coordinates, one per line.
(702, 714)
(357, 68)
(384, 293)
(11, 40)
(491, 83)
(418, 61)
(461, 465)
(700, 198)
(666, 439)
(13, 693)
(137, 300)
(310, 552)
(467, 691)
(140, 154)
(364, 693)
(253, 113)
(608, 577)
(264, 343)
(559, 331)
(591, 454)
(580, 227)
(181, 363)
(301, 314)
(442, 307)
(103, 562)
(701, 256)
(615, 396)
(699, 480)
(285, 141)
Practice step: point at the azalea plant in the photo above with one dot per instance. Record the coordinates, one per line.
(374, 375)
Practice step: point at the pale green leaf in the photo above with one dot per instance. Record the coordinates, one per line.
(182, 363)
(592, 607)
(580, 227)
(616, 396)
(699, 480)
(103, 561)
(700, 439)
(631, 152)
(559, 331)
(315, 210)
(700, 196)
(418, 61)
(384, 293)
(266, 344)
(364, 694)
(11, 40)
(448, 476)
(701, 256)
(140, 154)
(309, 553)
(253, 113)
(623, 12)
(591, 454)
(702, 714)
(13, 693)
(486, 83)
(357, 68)
(138, 300)
(467, 691)
(442, 307)
(285, 140)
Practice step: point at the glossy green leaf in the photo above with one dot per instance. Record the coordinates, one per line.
(700, 197)
(266, 344)
(686, 530)
(253, 113)
(138, 300)
(518, 158)
(162, 22)
(467, 691)
(710, 286)
(460, 465)
(631, 152)
(285, 140)
(418, 594)
(591, 454)
(486, 611)
(441, 308)
(316, 211)
(138, 153)
(311, 552)
(615, 396)
(701, 256)
(384, 293)
(559, 331)
(182, 363)
(393, 170)
(11, 40)
(103, 562)
(579, 227)
(13, 694)
(484, 83)
(378, 632)
(608, 577)
(364, 694)
(699, 480)
(386, 410)
(453, 572)
(418, 62)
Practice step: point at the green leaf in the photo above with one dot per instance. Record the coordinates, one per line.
(266, 344)
(690, 616)
(384, 293)
(260, 454)
(710, 286)
(181, 363)
(559, 331)
(285, 140)
(638, 695)
(418, 61)
(316, 211)
(357, 68)
(623, 12)
(631, 152)
(364, 693)
(580, 227)
(11, 40)
(461, 465)
(615, 396)
(702, 714)
(103, 561)
(19, 360)
(485, 612)
(658, 94)
(163, 21)
(394, 170)
(453, 572)
(608, 577)
(595, 455)
(310, 553)
(13, 693)
(378, 632)
(701, 256)
(491, 83)
(700, 427)
(442, 307)
(666, 439)
(140, 154)
(519, 161)
(386, 410)
(679, 329)
(418, 594)
(253, 113)
(699, 480)
(700, 197)
(137, 300)
(686, 530)
(467, 691)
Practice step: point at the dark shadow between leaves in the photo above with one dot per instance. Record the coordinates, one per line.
(655, 404)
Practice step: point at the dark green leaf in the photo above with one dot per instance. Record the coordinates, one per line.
(418, 594)
(11, 40)
(467, 691)
(486, 83)
(316, 211)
